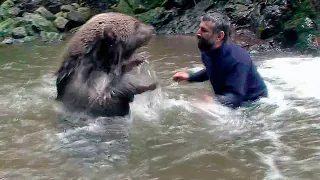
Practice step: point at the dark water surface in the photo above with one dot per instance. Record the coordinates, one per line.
(172, 134)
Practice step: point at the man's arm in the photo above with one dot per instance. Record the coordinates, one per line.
(199, 76)
(236, 86)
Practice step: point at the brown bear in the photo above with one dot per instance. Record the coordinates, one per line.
(95, 73)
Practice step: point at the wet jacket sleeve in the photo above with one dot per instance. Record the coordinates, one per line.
(199, 76)
(236, 86)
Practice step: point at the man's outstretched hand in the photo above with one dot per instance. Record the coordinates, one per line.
(181, 76)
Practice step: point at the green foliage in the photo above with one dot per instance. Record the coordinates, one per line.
(7, 26)
(140, 6)
(154, 17)
(300, 11)
(132, 7)
(123, 7)
(299, 20)
(7, 4)
(260, 30)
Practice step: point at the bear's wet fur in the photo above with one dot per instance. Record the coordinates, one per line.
(95, 73)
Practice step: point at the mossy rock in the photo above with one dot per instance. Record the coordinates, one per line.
(76, 5)
(5, 10)
(155, 16)
(61, 22)
(29, 38)
(86, 13)
(3, 14)
(7, 26)
(300, 29)
(303, 31)
(140, 6)
(51, 36)
(123, 7)
(39, 23)
(76, 17)
(45, 13)
(19, 32)
(13, 12)
(59, 14)
(67, 8)
(7, 4)
(307, 41)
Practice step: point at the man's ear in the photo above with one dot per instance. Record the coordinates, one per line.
(220, 36)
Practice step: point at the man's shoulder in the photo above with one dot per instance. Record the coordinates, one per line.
(238, 54)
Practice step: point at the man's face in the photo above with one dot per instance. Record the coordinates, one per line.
(208, 39)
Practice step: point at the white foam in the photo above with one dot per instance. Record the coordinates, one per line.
(294, 76)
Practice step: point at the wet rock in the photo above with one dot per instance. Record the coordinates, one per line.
(29, 7)
(239, 14)
(25, 5)
(52, 5)
(28, 38)
(85, 13)
(51, 36)
(259, 48)
(39, 23)
(187, 23)
(45, 13)
(19, 32)
(7, 26)
(76, 5)
(272, 12)
(67, 8)
(11, 40)
(76, 17)
(7, 4)
(61, 14)
(247, 40)
(60, 23)
(13, 11)
(37, 2)
(268, 23)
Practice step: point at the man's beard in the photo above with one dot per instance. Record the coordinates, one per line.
(205, 45)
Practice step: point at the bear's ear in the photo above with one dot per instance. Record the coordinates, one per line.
(109, 35)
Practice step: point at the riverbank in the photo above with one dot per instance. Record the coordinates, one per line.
(257, 25)
(170, 136)
(23, 21)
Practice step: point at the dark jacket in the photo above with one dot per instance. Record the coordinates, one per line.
(233, 76)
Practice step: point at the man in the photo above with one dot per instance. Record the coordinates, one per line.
(233, 76)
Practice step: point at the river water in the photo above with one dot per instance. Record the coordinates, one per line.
(172, 134)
